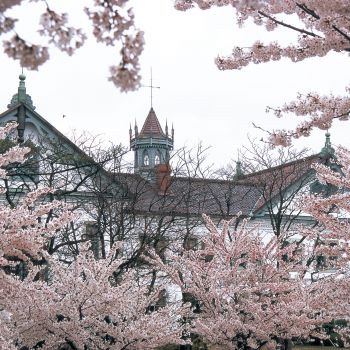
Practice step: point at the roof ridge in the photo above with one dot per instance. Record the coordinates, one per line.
(280, 166)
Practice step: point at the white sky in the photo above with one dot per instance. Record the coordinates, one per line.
(204, 104)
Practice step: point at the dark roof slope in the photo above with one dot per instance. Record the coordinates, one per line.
(190, 196)
(224, 198)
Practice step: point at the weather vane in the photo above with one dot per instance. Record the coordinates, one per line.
(151, 86)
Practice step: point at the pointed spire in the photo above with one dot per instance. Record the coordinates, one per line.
(136, 129)
(328, 140)
(22, 88)
(152, 127)
(21, 96)
(239, 171)
(172, 131)
(166, 128)
(130, 132)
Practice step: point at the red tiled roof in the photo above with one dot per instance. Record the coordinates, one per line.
(152, 127)
(193, 196)
(190, 196)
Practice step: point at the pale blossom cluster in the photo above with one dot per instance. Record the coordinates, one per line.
(6, 4)
(30, 56)
(84, 306)
(16, 154)
(22, 236)
(184, 5)
(5, 333)
(6, 24)
(321, 111)
(251, 293)
(54, 26)
(338, 203)
(323, 26)
(329, 239)
(126, 74)
(112, 22)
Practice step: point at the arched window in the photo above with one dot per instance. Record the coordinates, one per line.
(156, 160)
(145, 159)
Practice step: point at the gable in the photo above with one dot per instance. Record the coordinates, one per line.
(64, 152)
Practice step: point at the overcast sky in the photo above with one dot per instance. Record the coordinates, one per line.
(206, 105)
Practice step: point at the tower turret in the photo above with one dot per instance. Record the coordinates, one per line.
(151, 146)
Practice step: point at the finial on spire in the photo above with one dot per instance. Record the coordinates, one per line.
(21, 96)
(151, 86)
(172, 131)
(327, 151)
(22, 88)
(130, 132)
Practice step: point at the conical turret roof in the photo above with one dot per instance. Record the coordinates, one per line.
(152, 127)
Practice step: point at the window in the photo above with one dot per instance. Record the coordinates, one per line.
(161, 246)
(146, 159)
(193, 243)
(327, 256)
(92, 234)
(296, 255)
(156, 160)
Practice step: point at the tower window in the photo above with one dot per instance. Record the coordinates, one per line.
(146, 160)
(156, 160)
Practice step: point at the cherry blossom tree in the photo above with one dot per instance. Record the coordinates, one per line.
(249, 295)
(319, 27)
(85, 304)
(22, 236)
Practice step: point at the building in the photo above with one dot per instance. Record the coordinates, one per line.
(154, 203)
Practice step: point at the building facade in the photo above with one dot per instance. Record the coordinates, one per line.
(154, 206)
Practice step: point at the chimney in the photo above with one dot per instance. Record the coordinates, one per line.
(163, 178)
